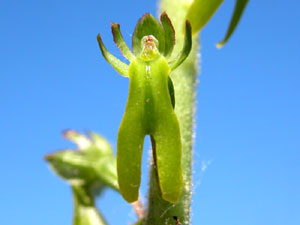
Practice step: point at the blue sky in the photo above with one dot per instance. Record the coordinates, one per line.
(247, 145)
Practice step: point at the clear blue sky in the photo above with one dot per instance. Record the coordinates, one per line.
(247, 145)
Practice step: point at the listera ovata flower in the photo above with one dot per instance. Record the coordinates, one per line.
(150, 105)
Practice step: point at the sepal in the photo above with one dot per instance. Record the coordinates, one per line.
(169, 33)
(187, 46)
(118, 65)
(118, 39)
(147, 25)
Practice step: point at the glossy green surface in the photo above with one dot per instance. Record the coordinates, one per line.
(149, 110)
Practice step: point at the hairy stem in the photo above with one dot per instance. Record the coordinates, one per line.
(161, 212)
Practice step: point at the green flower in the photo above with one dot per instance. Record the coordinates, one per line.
(150, 105)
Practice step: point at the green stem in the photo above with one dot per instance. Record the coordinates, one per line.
(85, 212)
(161, 212)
